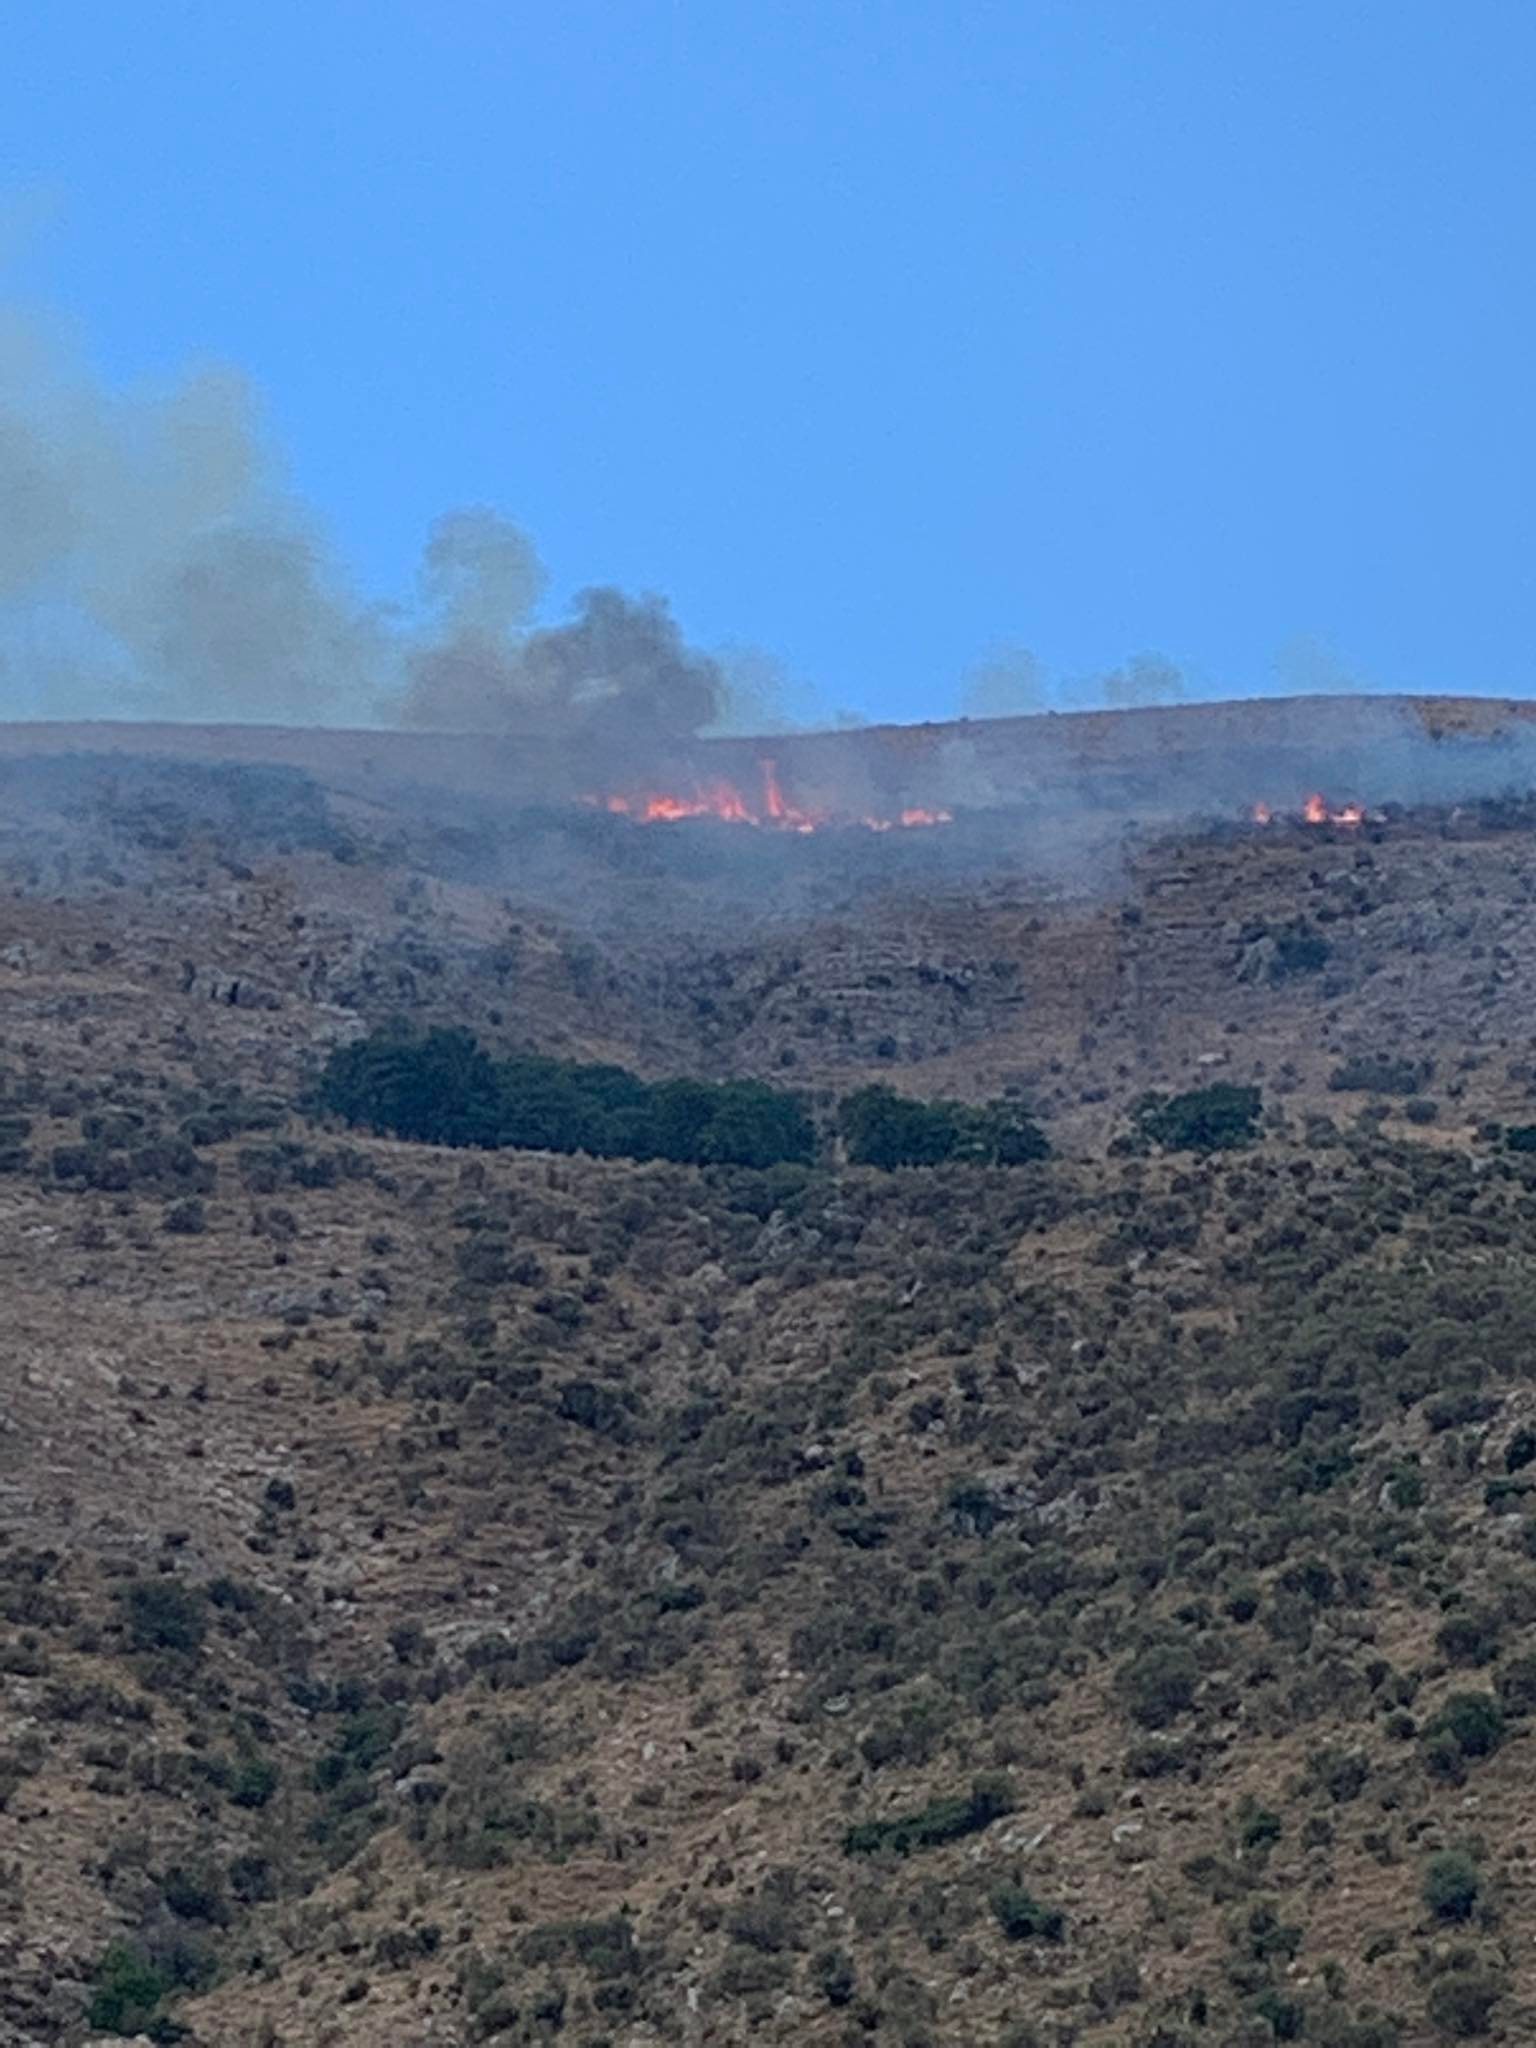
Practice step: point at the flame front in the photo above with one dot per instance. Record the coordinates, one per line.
(1315, 811)
(770, 807)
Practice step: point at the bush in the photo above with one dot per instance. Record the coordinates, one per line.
(1215, 1119)
(196, 1895)
(1451, 1886)
(1261, 1828)
(945, 1820)
(834, 1976)
(1461, 2004)
(162, 1615)
(1159, 1685)
(1472, 1721)
(254, 1783)
(1023, 1918)
(1517, 1685)
(1468, 1638)
(1376, 1073)
(1300, 949)
(129, 1989)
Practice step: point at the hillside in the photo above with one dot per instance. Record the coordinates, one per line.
(460, 1596)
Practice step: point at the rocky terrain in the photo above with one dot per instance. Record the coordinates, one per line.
(461, 1596)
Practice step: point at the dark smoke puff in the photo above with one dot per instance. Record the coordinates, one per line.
(621, 670)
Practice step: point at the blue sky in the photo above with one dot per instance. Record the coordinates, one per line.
(877, 336)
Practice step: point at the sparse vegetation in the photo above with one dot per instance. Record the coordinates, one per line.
(498, 1577)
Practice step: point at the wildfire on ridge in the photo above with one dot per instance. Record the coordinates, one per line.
(733, 805)
(1315, 811)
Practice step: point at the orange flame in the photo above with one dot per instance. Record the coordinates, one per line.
(1315, 811)
(725, 801)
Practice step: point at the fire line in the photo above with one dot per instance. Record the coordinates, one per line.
(770, 808)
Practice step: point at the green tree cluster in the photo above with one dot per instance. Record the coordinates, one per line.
(881, 1128)
(445, 1089)
(1215, 1119)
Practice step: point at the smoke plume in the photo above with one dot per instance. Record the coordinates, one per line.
(154, 564)
(618, 675)
(1007, 684)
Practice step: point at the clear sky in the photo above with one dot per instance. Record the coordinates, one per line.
(875, 335)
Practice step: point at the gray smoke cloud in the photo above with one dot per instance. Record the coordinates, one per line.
(1308, 667)
(152, 561)
(619, 674)
(1013, 682)
(1144, 679)
(155, 564)
(1008, 683)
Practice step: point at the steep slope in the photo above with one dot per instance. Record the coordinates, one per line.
(504, 1597)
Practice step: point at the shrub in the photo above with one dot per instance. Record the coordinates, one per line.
(162, 1615)
(129, 1990)
(1300, 949)
(1469, 1638)
(1159, 1685)
(1472, 1721)
(254, 1783)
(196, 1895)
(605, 1947)
(1261, 1828)
(833, 1974)
(944, 1820)
(1000, 1133)
(1118, 1985)
(1377, 1073)
(1451, 1886)
(1406, 1488)
(1517, 1685)
(1022, 1917)
(1461, 2004)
